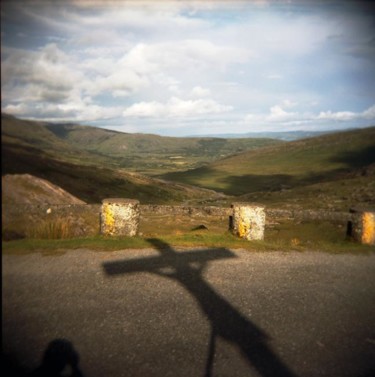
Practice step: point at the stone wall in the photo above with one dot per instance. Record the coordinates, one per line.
(50, 221)
(308, 215)
(184, 210)
(271, 214)
(84, 220)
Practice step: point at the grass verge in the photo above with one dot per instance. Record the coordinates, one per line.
(188, 240)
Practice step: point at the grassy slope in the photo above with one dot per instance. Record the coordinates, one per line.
(32, 134)
(152, 153)
(148, 154)
(116, 143)
(94, 183)
(335, 169)
(336, 165)
(29, 147)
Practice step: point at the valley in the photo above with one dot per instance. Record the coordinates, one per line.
(330, 171)
(333, 171)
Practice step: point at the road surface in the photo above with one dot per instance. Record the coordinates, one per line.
(163, 312)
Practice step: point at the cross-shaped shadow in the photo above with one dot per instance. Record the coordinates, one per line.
(226, 322)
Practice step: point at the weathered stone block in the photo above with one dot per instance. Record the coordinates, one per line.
(248, 221)
(120, 217)
(362, 226)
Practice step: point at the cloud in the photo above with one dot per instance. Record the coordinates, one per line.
(158, 64)
(175, 107)
(274, 76)
(340, 115)
(347, 115)
(191, 54)
(198, 91)
(369, 113)
(278, 115)
(288, 103)
(44, 75)
(69, 111)
(263, 61)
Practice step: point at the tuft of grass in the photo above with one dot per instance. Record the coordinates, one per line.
(55, 229)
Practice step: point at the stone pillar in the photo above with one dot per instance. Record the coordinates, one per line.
(248, 221)
(119, 217)
(362, 226)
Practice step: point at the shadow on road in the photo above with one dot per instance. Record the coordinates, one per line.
(226, 322)
(60, 359)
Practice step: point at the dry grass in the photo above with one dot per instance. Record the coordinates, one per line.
(53, 229)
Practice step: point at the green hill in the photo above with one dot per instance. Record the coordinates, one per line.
(153, 154)
(31, 148)
(279, 173)
(335, 170)
(36, 135)
(92, 163)
(94, 183)
(142, 153)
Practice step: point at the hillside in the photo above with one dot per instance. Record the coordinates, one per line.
(334, 170)
(152, 154)
(89, 162)
(332, 161)
(142, 153)
(26, 189)
(94, 183)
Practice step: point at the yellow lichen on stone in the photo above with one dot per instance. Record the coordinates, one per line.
(368, 228)
(108, 219)
(119, 217)
(243, 225)
(242, 229)
(248, 221)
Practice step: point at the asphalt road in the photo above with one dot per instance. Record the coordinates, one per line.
(208, 312)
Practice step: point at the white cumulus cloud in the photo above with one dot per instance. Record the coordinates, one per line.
(369, 113)
(175, 107)
(212, 60)
(339, 115)
(198, 91)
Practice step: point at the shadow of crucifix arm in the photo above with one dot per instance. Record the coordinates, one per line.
(227, 322)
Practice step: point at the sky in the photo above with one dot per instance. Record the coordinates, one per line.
(183, 68)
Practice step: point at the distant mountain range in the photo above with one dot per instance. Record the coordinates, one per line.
(282, 135)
